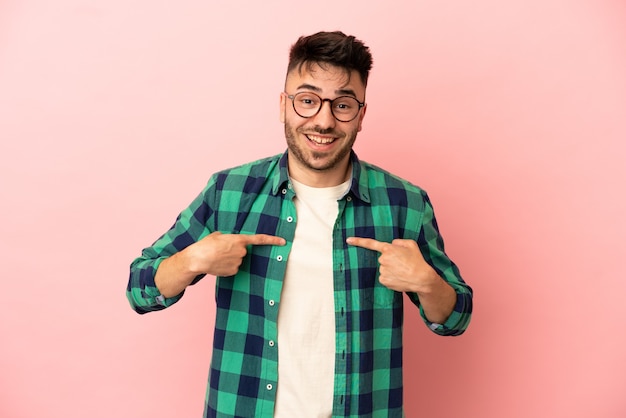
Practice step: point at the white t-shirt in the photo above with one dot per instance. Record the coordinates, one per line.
(306, 317)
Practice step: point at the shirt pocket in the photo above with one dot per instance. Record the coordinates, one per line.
(372, 294)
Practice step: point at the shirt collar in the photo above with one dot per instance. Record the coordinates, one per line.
(359, 187)
(360, 184)
(281, 178)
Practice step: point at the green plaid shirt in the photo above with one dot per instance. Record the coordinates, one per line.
(257, 198)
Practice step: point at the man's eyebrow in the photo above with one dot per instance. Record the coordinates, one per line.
(345, 92)
(309, 87)
(340, 92)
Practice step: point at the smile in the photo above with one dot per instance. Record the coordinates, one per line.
(320, 140)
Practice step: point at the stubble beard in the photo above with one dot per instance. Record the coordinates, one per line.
(308, 158)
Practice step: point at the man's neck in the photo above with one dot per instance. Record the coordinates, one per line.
(323, 178)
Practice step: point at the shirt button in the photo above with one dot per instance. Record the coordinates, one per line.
(269, 386)
(284, 191)
(279, 258)
(271, 343)
(349, 198)
(289, 219)
(271, 302)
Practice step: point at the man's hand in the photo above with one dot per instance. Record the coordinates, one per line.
(220, 254)
(402, 266)
(403, 269)
(216, 254)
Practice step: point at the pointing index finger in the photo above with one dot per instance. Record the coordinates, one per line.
(369, 243)
(263, 239)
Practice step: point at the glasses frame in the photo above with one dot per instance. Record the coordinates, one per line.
(322, 100)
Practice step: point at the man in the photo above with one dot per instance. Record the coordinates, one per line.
(312, 251)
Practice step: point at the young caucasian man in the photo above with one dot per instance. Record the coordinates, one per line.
(312, 251)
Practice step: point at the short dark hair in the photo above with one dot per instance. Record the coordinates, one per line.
(331, 48)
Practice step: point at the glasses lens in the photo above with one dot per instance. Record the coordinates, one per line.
(306, 104)
(345, 108)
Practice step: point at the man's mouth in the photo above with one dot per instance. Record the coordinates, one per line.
(320, 140)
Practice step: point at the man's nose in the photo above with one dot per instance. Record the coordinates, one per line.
(325, 118)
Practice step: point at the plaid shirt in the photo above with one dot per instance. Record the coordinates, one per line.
(257, 198)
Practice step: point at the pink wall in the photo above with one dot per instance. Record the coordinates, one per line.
(512, 114)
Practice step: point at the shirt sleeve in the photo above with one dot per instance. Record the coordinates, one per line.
(431, 244)
(191, 225)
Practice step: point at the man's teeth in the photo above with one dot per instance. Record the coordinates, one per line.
(320, 140)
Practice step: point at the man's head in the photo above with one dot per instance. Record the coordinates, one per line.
(331, 48)
(323, 105)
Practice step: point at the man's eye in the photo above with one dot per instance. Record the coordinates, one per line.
(308, 102)
(344, 106)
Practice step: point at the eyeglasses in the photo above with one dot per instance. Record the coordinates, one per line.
(343, 108)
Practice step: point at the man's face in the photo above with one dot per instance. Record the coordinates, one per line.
(319, 146)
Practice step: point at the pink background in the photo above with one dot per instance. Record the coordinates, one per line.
(512, 114)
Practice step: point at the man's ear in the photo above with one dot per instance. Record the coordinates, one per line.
(361, 116)
(282, 107)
